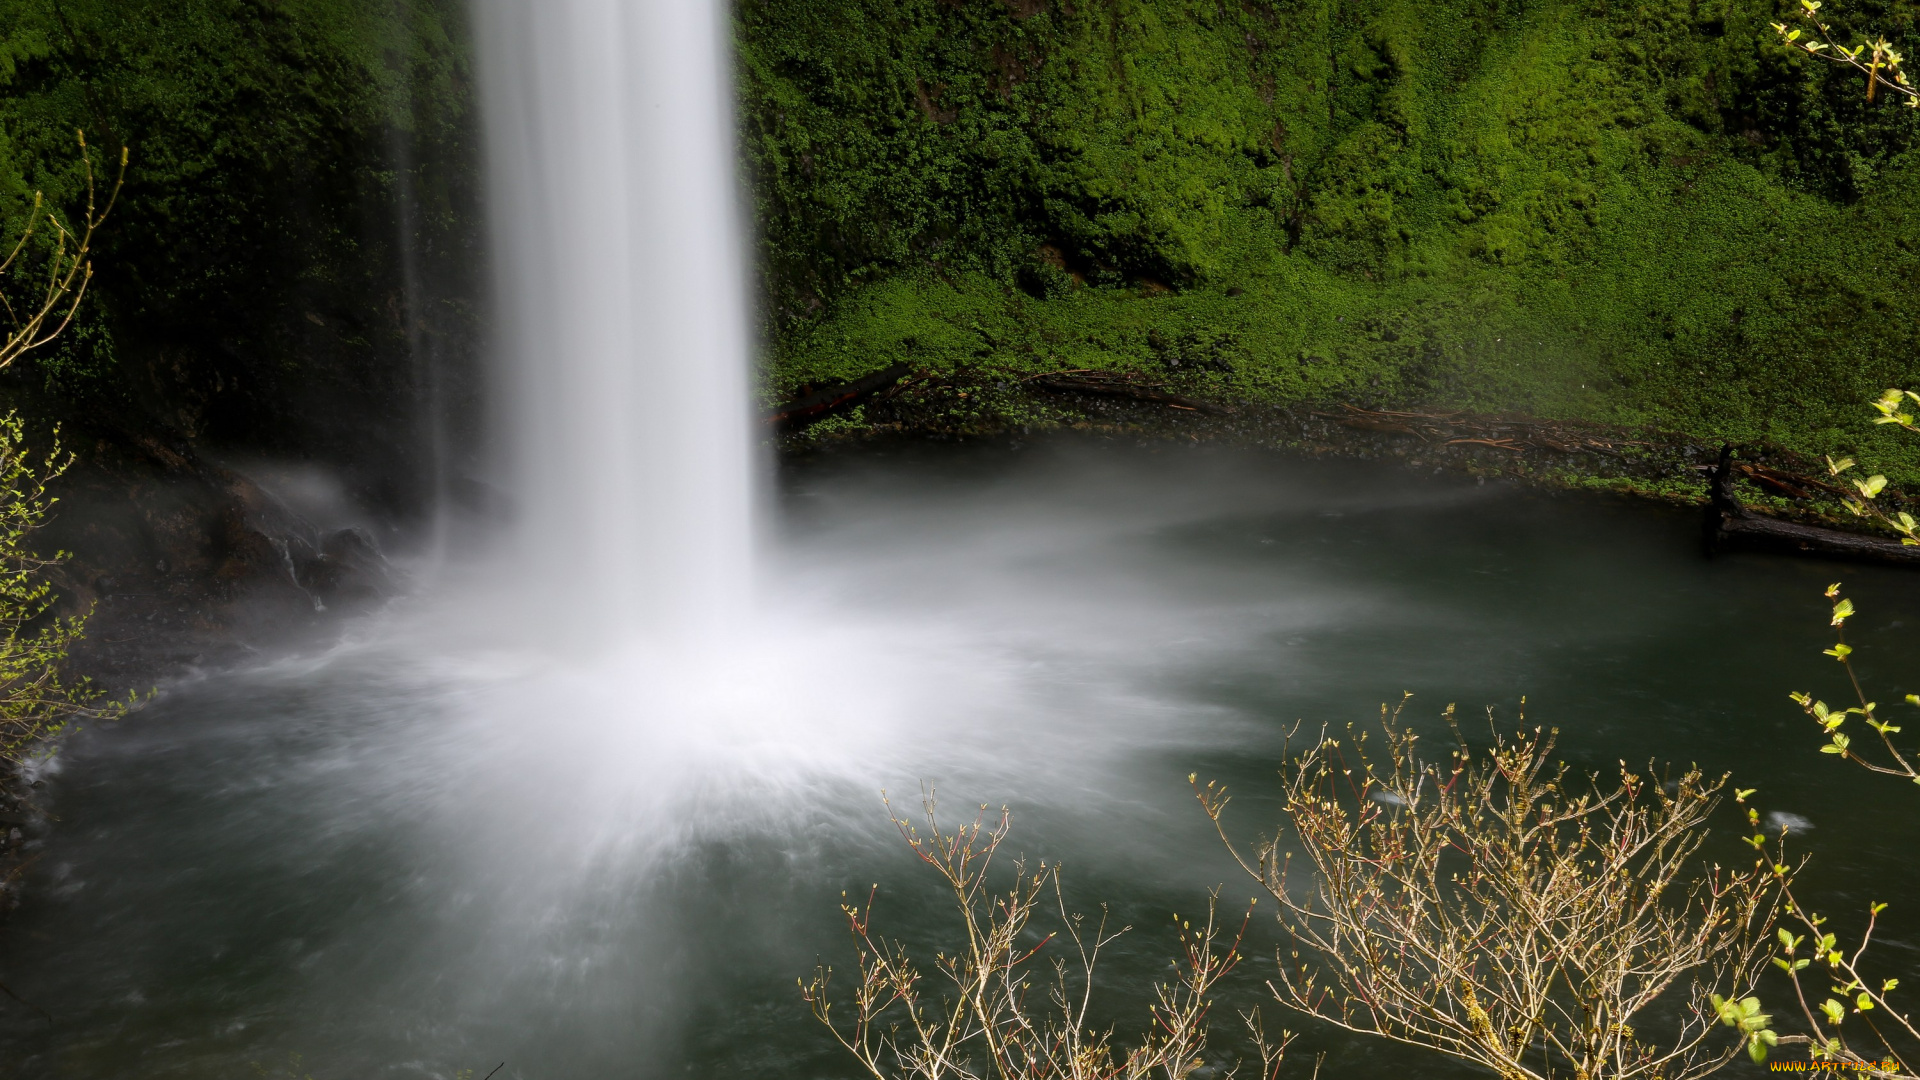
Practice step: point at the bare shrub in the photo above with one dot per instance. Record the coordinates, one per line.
(1013, 1004)
(1502, 910)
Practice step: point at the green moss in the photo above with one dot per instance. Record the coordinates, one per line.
(1642, 213)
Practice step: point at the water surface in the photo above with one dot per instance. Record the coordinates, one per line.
(440, 846)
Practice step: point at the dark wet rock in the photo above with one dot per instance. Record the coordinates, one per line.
(188, 565)
(347, 572)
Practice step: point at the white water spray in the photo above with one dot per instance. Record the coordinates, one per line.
(621, 298)
(666, 712)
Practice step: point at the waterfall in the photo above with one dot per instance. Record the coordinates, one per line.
(623, 370)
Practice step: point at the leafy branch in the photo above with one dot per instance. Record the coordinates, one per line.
(36, 703)
(1853, 994)
(1832, 720)
(1877, 59)
(1861, 501)
(69, 269)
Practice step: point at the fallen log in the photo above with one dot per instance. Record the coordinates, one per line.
(838, 397)
(1063, 384)
(1731, 526)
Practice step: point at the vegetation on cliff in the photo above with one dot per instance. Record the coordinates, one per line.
(258, 266)
(1643, 213)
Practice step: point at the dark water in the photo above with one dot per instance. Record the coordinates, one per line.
(439, 848)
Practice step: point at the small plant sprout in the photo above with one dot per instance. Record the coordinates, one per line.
(1745, 1016)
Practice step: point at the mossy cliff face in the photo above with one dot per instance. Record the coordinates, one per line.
(296, 220)
(1638, 212)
